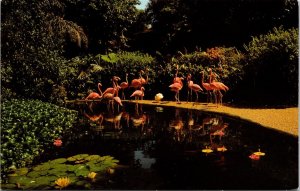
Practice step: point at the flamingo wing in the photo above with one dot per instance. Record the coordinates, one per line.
(93, 95)
(109, 90)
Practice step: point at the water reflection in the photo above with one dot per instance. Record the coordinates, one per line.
(169, 143)
(191, 127)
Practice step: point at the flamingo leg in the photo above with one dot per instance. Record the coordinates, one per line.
(178, 97)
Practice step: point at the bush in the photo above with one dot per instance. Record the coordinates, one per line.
(28, 127)
(273, 67)
(227, 63)
(81, 75)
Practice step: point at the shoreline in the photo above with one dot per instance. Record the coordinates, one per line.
(284, 120)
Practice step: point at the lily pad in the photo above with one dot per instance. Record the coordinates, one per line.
(58, 161)
(22, 171)
(77, 157)
(8, 186)
(57, 172)
(43, 180)
(33, 174)
(93, 157)
(44, 166)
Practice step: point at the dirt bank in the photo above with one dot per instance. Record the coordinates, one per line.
(285, 120)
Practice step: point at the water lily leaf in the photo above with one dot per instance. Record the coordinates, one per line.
(57, 172)
(33, 174)
(98, 168)
(43, 180)
(44, 166)
(70, 167)
(58, 161)
(13, 179)
(24, 180)
(77, 157)
(9, 186)
(83, 172)
(92, 157)
(22, 171)
(60, 167)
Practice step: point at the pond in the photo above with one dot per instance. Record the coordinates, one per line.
(163, 148)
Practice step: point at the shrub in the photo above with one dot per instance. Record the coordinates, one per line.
(273, 66)
(81, 75)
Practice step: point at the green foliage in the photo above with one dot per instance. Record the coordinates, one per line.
(226, 62)
(76, 168)
(179, 24)
(31, 48)
(28, 127)
(81, 75)
(273, 64)
(103, 20)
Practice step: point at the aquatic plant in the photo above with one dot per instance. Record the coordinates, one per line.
(78, 170)
(62, 182)
(28, 127)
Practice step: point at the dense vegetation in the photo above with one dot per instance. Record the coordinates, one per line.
(56, 50)
(28, 127)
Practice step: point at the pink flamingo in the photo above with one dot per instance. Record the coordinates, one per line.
(138, 94)
(123, 86)
(137, 83)
(217, 87)
(109, 97)
(176, 87)
(207, 86)
(194, 87)
(95, 95)
(115, 79)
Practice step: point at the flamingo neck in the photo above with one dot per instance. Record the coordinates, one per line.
(99, 88)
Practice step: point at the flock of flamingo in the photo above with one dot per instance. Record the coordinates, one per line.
(111, 94)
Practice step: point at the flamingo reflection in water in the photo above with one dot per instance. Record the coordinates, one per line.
(139, 119)
(97, 118)
(177, 125)
(114, 119)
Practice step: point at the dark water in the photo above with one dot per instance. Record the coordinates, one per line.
(161, 148)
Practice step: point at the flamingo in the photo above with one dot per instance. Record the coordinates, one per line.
(109, 97)
(218, 86)
(95, 95)
(194, 87)
(123, 86)
(115, 79)
(118, 100)
(207, 86)
(138, 94)
(176, 87)
(136, 83)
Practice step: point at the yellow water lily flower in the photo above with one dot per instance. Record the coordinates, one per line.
(259, 153)
(207, 150)
(63, 182)
(92, 175)
(222, 149)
